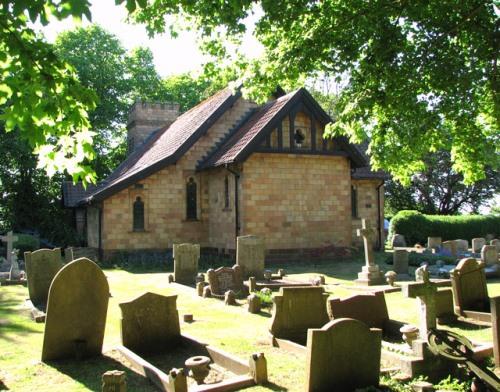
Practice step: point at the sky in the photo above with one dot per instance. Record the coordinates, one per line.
(172, 56)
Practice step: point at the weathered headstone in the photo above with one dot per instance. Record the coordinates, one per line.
(400, 261)
(254, 303)
(343, 355)
(489, 255)
(449, 247)
(370, 273)
(425, 291)
(223, 279)
(76, 312)
(41, 267)
(370, 308)
(9, 239)
(398, 241)
(114, 381)
(434, 242)
(496, 243)
(468, 281)
(150, 323)
(186, 258)
(462, 246)
(295, 310)
(250, 255)
(477, 244)
(14, 273)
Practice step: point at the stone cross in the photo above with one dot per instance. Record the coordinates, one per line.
(425, 291)
(9, 239)
(368, 235)
(370, 273)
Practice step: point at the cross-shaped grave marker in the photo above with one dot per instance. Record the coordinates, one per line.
(425, 291)
(370, 273)
(9, 239)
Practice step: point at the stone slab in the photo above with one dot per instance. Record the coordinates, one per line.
(76, 312)
(470, 292)
(296, 309)
(250, 255)
(41, 267)
(150, 323)
(186, 257)
(224, 278)
(344, 355)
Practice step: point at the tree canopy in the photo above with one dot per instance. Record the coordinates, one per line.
(417, 77)
(440, 190)
(40, 94)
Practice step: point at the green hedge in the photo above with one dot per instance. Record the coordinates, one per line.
(26, 243)
(416, 227)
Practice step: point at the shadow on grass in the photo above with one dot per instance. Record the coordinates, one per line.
(89, 373)
(463, 324)
(13, 318)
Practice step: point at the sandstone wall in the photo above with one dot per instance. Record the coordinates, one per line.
(296, 201)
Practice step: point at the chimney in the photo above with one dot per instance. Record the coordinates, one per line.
(146, 117)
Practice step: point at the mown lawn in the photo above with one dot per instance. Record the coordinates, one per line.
(231, 328)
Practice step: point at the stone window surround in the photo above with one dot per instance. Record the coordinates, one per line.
(197, 181)
(135, 192)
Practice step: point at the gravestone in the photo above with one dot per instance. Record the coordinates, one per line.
(150, 323)
(477, 244)
(370, 308)
(462, 246)
(398, 241)
(468, 282)
(400, 261)
(426, 292)
(449, 247)
(41, 267)
(489, 255)
(343, 355)
(186, 258)
(496, 243)
(370, 273)
(76, 312)
(15, 273)
(68, 255)
(223, 279)
(295, 310)
(9, 239)
(433, 242)
(250, 255)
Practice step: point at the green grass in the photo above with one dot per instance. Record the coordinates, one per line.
(230, 328)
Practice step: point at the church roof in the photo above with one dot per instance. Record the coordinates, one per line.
(366, 172)
(168, 144)
(165, 145)
(244, 140)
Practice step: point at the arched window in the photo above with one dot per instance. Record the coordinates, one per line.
(191, 209)
(138, 214)
(354, 202)
(226, 192)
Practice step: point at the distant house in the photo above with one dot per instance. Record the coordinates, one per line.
(230, 167)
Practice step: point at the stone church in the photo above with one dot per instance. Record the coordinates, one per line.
(230, 167)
